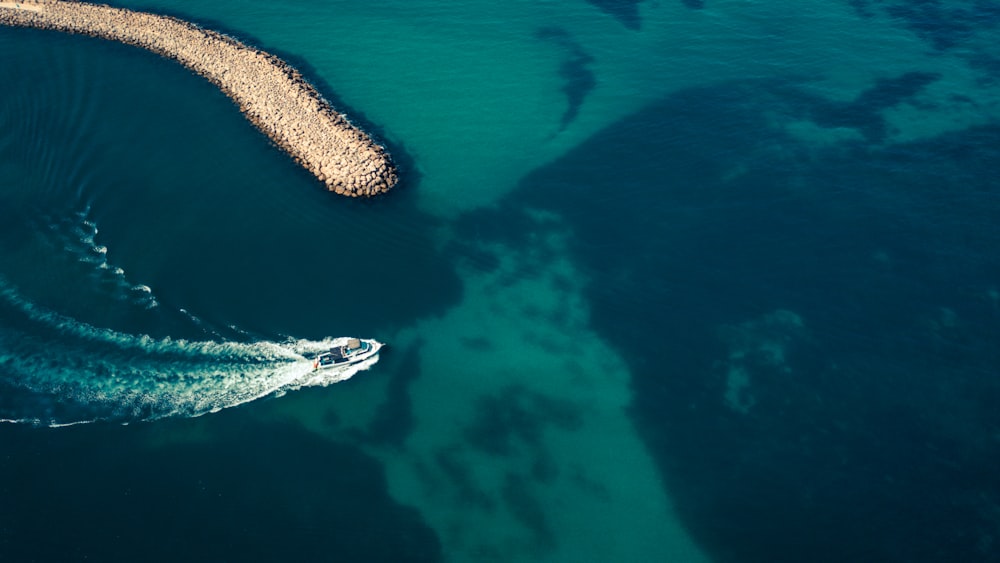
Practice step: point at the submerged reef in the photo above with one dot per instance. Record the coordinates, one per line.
(270, 93)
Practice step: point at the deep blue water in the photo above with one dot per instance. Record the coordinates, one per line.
(740, 302)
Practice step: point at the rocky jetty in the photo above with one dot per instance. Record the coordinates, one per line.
(269, 92)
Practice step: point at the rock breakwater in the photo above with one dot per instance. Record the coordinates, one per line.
(270, 93)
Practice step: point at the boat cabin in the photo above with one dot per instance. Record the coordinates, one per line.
(341, 354)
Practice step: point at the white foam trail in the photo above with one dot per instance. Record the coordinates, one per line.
(76, 234)
(141, 343)
(39, 422)
(99, 374)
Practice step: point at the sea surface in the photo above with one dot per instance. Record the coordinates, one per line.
(673, 280)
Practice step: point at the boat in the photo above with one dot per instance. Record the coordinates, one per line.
(354, 351)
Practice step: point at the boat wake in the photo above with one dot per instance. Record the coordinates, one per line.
(56, 371)
(75, 234)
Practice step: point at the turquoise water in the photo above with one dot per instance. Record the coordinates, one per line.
(674, 281)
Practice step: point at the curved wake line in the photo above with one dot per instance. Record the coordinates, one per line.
(87, 374)
(143, 343)
(38, 422)
(76, 233)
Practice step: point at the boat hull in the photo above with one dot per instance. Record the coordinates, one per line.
(329, 360)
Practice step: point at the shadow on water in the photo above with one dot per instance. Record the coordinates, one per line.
(810, 331)
(409, 174)
(243, 492)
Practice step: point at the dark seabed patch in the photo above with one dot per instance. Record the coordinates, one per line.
(964, 28)
(518, 417)
(988, 65)
(460, 479)
(393, 421)
(578, 78)
(625, 11)
(525, 507)
(253, 493)
(864, 113)
(943, 24)
(479, 344)
(811, 331)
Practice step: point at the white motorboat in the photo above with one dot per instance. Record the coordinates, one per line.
(355, 350)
